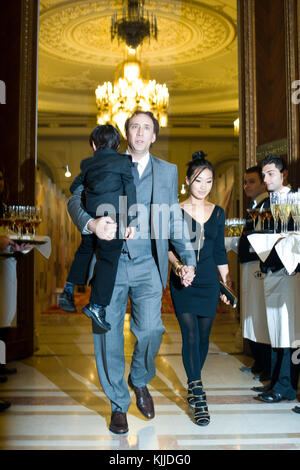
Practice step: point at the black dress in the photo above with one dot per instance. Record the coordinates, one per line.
(201, 298)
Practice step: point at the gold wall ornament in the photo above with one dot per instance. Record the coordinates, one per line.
(276, 147)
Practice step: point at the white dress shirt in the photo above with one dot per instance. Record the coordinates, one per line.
(284, 190)
(142, 163)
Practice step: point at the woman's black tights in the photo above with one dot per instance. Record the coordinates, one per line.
(195, 332)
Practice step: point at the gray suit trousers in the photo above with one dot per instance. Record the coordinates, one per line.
(140, 280)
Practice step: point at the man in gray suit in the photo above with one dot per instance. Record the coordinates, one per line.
(142, 272)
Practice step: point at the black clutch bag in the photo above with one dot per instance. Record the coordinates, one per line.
(229, 294)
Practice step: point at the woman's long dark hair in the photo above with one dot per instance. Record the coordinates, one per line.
(198, 162)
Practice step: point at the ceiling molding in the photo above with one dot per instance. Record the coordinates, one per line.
(79, 31)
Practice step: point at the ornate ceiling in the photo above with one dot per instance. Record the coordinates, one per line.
(195, 54)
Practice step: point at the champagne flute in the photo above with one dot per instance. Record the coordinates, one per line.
(235, 227)
(274, 205)
(230, 228)
(20, 219)
(295, 210)
(263, 216)
(242, 226)
(268, 217)
(13, 213)
(36, 219)
(284, 211)
(28, 221)
(253, 214)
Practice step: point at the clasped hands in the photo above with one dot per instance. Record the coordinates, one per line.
(185, 273)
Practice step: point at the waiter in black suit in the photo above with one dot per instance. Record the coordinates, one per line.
(255, 190)
(284, 374)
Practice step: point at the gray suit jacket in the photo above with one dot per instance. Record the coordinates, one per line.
(164, 196)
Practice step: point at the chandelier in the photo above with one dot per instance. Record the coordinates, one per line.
(134, 27)
(130, 91)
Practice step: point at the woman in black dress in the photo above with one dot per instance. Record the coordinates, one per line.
(196, 304)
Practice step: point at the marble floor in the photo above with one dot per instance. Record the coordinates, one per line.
(57, 403)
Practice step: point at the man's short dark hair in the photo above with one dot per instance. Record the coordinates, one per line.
(255, 169)
(105, 136)
(278, 161)
(149, 114)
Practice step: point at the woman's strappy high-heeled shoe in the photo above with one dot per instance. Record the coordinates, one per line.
(197, 400)
(190, 396)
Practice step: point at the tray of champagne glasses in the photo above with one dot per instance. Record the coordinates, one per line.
(20, 223)
(30, 241)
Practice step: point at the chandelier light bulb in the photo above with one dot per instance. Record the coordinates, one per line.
(68, 174)
(131, 51)
(132, 71)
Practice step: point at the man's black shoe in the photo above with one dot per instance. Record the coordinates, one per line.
(273, 397)
(66, 301)
(98, 315)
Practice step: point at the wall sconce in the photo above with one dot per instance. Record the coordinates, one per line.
(68, 174)
(183, 190)
(236, 127)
